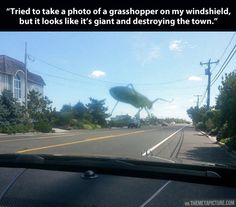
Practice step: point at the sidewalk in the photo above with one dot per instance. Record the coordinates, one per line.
(214, 140)
(198, 148)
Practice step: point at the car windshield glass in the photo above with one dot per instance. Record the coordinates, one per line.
(154, 96)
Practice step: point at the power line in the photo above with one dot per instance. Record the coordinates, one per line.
(227, 61)
(203, 97)
(76, 81)
(225, 49)
(62, 78)
(109, 82)
(73, 73)
(218, 73)
(197, 99)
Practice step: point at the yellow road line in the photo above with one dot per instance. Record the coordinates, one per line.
(77, 142)
(44, 137)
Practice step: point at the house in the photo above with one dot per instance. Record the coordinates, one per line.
(12, 77)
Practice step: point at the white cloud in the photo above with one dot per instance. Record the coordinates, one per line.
(97, 74)
(152, 54)
(176, 45)
(195, 78)
(145, 50)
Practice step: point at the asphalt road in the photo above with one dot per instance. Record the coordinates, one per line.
(168, 144)
(103, 142)
(177, 143)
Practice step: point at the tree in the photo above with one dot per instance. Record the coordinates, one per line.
(203, 118)
(40, 111)
(11, 113)
(97, 111)
(226, 103)
(66, 108)
(81, 112)
(197, 114)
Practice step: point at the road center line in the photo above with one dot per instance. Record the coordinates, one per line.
(77, 142)
(157, 145)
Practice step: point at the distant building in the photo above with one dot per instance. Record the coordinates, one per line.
(121, 117)
(12, 77)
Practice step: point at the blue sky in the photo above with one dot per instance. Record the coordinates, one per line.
(79, 65)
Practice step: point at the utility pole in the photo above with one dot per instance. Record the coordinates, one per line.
(26, 77)
(197, 99)
(208, 73)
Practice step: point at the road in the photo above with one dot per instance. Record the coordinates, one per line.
(177, 143)
(181, 144)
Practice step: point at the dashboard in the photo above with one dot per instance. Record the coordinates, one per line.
(37, 187)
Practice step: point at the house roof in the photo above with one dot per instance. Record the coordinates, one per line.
(10, 66)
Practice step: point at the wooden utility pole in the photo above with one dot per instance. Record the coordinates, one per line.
(26, 77)
(197, 99)
(208, 73)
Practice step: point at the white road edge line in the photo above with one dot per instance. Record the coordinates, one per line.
(157, 145)
(155, 194)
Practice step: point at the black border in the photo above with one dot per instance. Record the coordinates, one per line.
(224, 23)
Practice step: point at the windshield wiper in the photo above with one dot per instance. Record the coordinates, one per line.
(213, 175)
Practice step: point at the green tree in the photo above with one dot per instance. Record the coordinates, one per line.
(97, 110)
(226, 103)
(197, 114)
(11, 113)
(211, 120)
(66, 108)
(80, 112)
(40, 111)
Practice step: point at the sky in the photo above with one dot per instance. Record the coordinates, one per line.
(79, 65)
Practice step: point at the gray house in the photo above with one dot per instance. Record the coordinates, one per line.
(12, 77)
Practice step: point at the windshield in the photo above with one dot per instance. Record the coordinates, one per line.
(159, 96)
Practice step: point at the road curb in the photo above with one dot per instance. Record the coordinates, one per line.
(222, 145)
(213, 139)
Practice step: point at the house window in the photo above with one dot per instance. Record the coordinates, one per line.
(7, 82)
(17, 87)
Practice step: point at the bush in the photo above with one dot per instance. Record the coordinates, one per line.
(23, 128)
(224, 131)
(87, 126)
(73, 123)
(209, 124)
(7, 128)
(91, 126)
(200, 126)
(230, 142)
(63, 119)
(213, 132)
(97, 126)
(15, 128)
(43, 126)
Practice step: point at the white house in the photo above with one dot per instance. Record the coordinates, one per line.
(12, 77)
